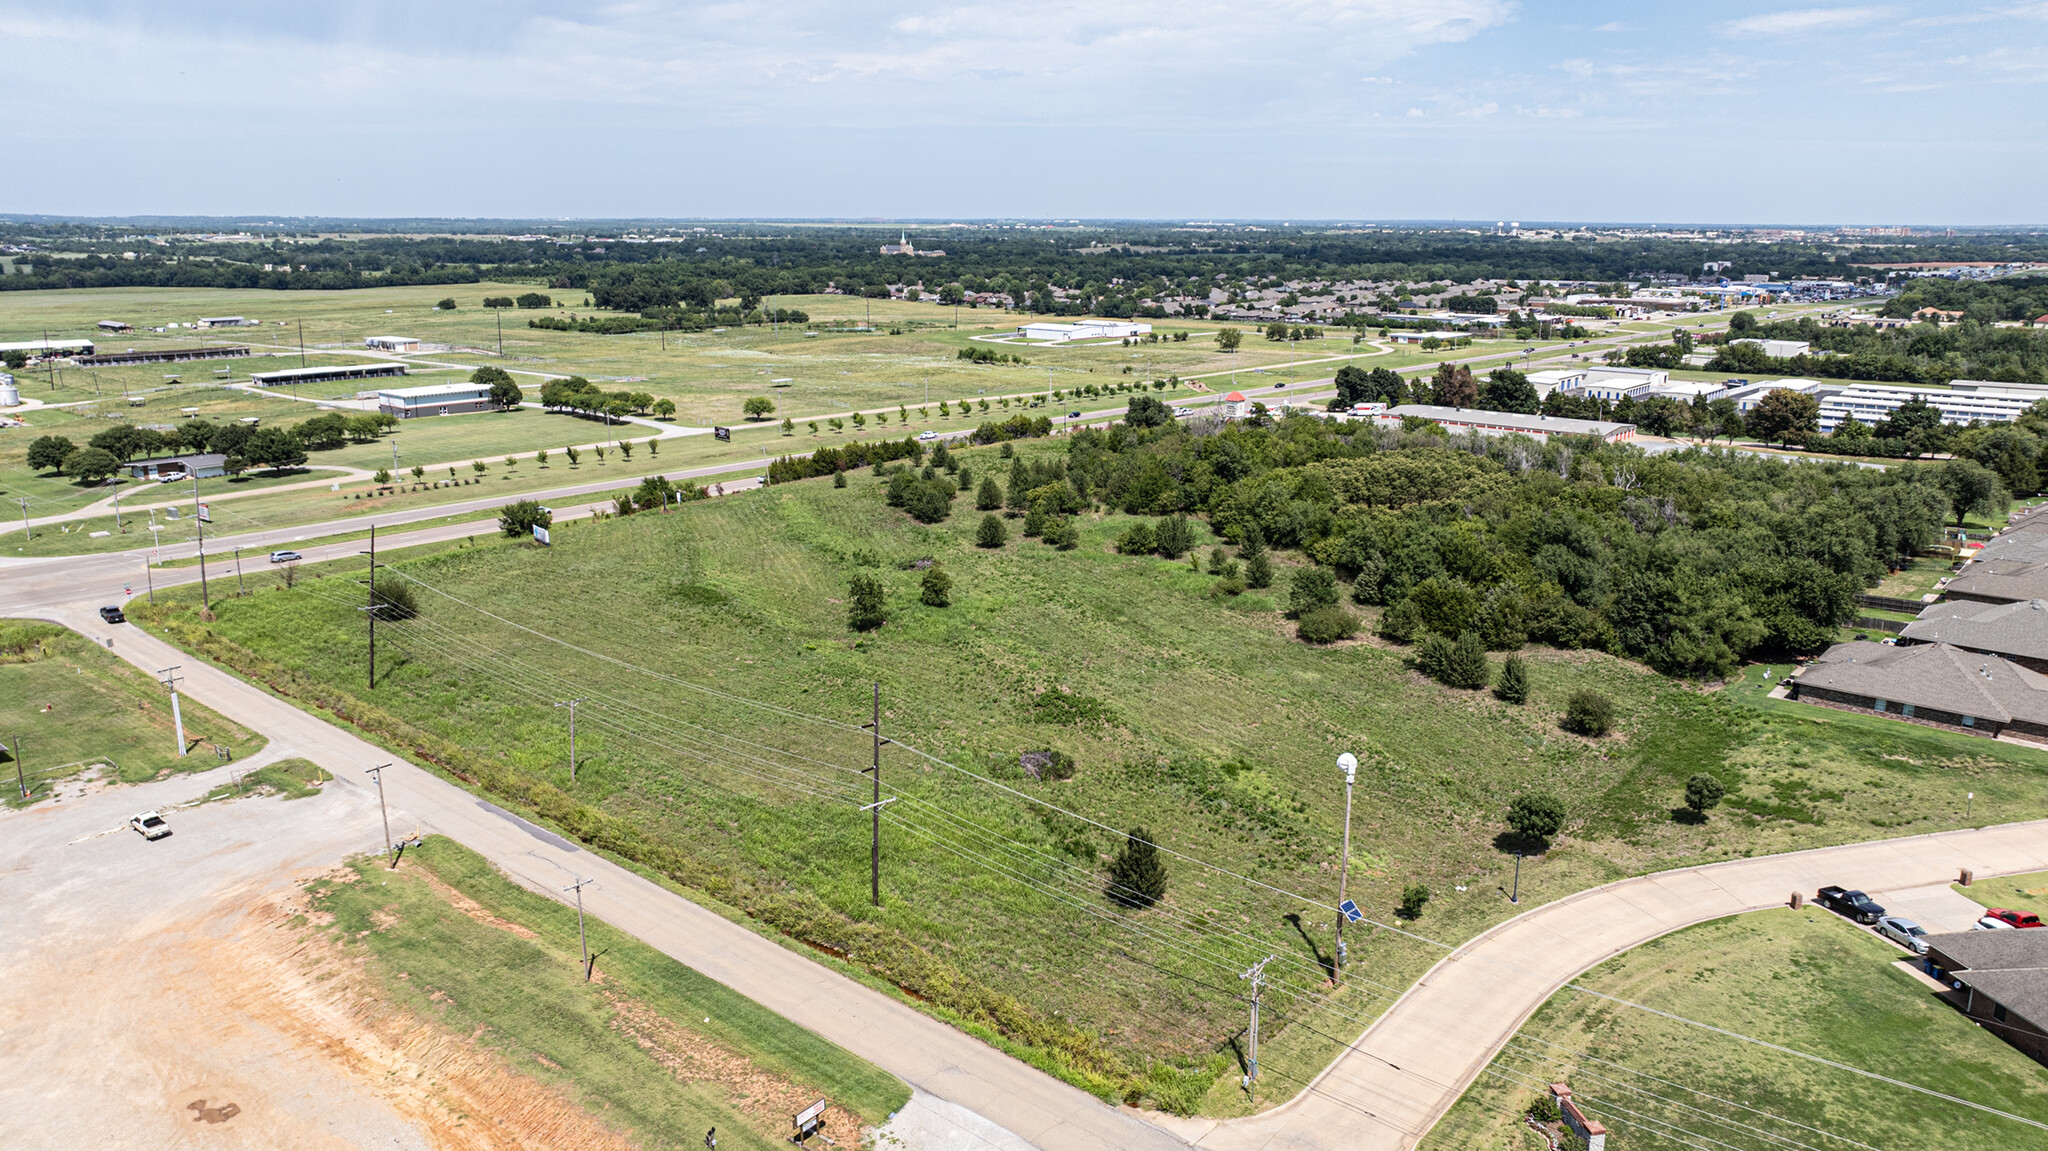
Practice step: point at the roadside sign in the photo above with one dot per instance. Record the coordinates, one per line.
(809, 1113)
(809, 1121)
(205, 514)
(1350, 910)
(540, 533)
(723, 434)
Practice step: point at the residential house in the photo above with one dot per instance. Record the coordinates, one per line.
(2013, 631)
(1999, 580)
(1933, 683)
(2002, 978)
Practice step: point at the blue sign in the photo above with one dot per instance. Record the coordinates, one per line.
(1351, 912)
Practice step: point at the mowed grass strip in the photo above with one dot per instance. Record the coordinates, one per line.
(71, 703)
(1806, 980)
(506, 969)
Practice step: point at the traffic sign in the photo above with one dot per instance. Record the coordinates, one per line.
(1351, 912)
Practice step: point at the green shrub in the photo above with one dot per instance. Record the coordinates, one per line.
(1401, 623)
(1536, 815)
(1310, 589)
(1589, 713)
(992, 533)
(1137, 540)
(1703, 793)
(1459, 663)
(937, 588)
(1175, 536)
(1137, 878)
(1544, 1110)
(838, 479)
(1413, 898)
(990, 497)
(394, 599)
(1326, 624)
(1258, 571)
(1513, 684)
(864, 610)
(520, 517)
(1062, 534)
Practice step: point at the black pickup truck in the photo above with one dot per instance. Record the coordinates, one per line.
(1851, 904)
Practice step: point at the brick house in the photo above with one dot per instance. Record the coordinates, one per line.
(2015, 631)
(2002, 980)
(1936, 683)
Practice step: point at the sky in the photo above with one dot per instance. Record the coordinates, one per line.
(1648, 112)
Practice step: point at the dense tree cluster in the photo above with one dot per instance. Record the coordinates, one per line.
(826, 461)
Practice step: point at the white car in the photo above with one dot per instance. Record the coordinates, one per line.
(150, 825)
(285, 557)
(1989, 924)
(928, 435)
(1904, 932)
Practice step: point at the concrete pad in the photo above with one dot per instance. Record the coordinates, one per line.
(929, 1123)
(1938, 908)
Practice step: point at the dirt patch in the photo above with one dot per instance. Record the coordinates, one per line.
(766, 1098)
(471, 907)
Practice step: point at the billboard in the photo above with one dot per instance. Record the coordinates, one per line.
(541, 533)
(205, 514)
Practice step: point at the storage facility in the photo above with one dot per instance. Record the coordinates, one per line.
(1505, 423)
(322, 375)
(392, 343)
(50, 347)
(226, 322)
(165, 356)
(1083, 330)
(435, 400)
(1872, 403)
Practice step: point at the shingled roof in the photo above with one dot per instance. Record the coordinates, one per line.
(2012, 629)
(2007, 580)
(1934, 675)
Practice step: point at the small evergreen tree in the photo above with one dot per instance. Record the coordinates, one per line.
(1466, 666)
(1589, 713)
(1310, 589)
(1175, 536)
(838, 479)
(1258, 570)
(1137, 878)
(937, 590)
(1536, 815)
(1250, 542)
(1513, 684)
(1703, 792)
(1137, 540)
(990, 496)
(992, 533)
(1413, 897)
(1034, 520)
(1326, 624)
(864, 603)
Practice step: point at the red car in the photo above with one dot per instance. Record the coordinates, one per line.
(2016, 918)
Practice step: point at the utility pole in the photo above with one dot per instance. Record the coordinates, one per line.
(117, 503)
(169, 676)
(571, 705)
(199, 525)
(150, 576)
(302, 347)
(1348, 763)
(582, 940)
(241, 589)
(875, 809)
(24, 518)
(377, 773)
(500, 313)
(371, 610)
(1257, 974)
(19, 780)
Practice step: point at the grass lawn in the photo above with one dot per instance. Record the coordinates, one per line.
(1805, 980)
(1193, 714)
(289, 778)
(2019, 892)
(450, 940)
(72, 703)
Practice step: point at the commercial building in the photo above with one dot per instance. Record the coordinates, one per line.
(226, 322)
(1235, 406)
(392, 343)
(2002, 980)
(2016, 631)
(434, 400)
(1610, 384)
(1933, 683)
(1872, 403)
(1083, 330)
(165, 356)
(205, 465)
(322, 375)
(44, 348)
(1780, 349)
(1505, 423)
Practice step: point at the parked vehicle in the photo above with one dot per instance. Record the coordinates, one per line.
(1904, 932)
(285, 557)
(1073, 415)
(1989, 924)
(113, 615)
(1850, 904)
(2013, 918)
(150, 825)
(927, 435)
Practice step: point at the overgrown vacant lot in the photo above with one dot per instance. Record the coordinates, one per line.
(1806, 980)
(1194, 714)
(72, 705)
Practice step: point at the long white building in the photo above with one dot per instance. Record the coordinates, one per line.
(1083, 330)
(1870, 403)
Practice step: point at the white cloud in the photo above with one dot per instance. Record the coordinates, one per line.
(1415, 113)
(1482, 111)
(1376, 79)
(1806, 20)
(1613, 26)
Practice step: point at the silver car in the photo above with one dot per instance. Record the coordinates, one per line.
(1904, 932)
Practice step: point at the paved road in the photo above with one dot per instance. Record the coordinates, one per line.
(925, 1053)
(1421, 1055)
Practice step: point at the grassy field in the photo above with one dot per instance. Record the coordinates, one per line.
(1805, 980)
(2019, 892)
(1194, 714)
(72, 704)
(450, 940)
(287, 778)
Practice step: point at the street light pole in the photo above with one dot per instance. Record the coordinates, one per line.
(1348, 763)
(1516, 896)
(377, 773)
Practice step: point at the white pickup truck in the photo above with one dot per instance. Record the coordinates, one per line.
(150, 825)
